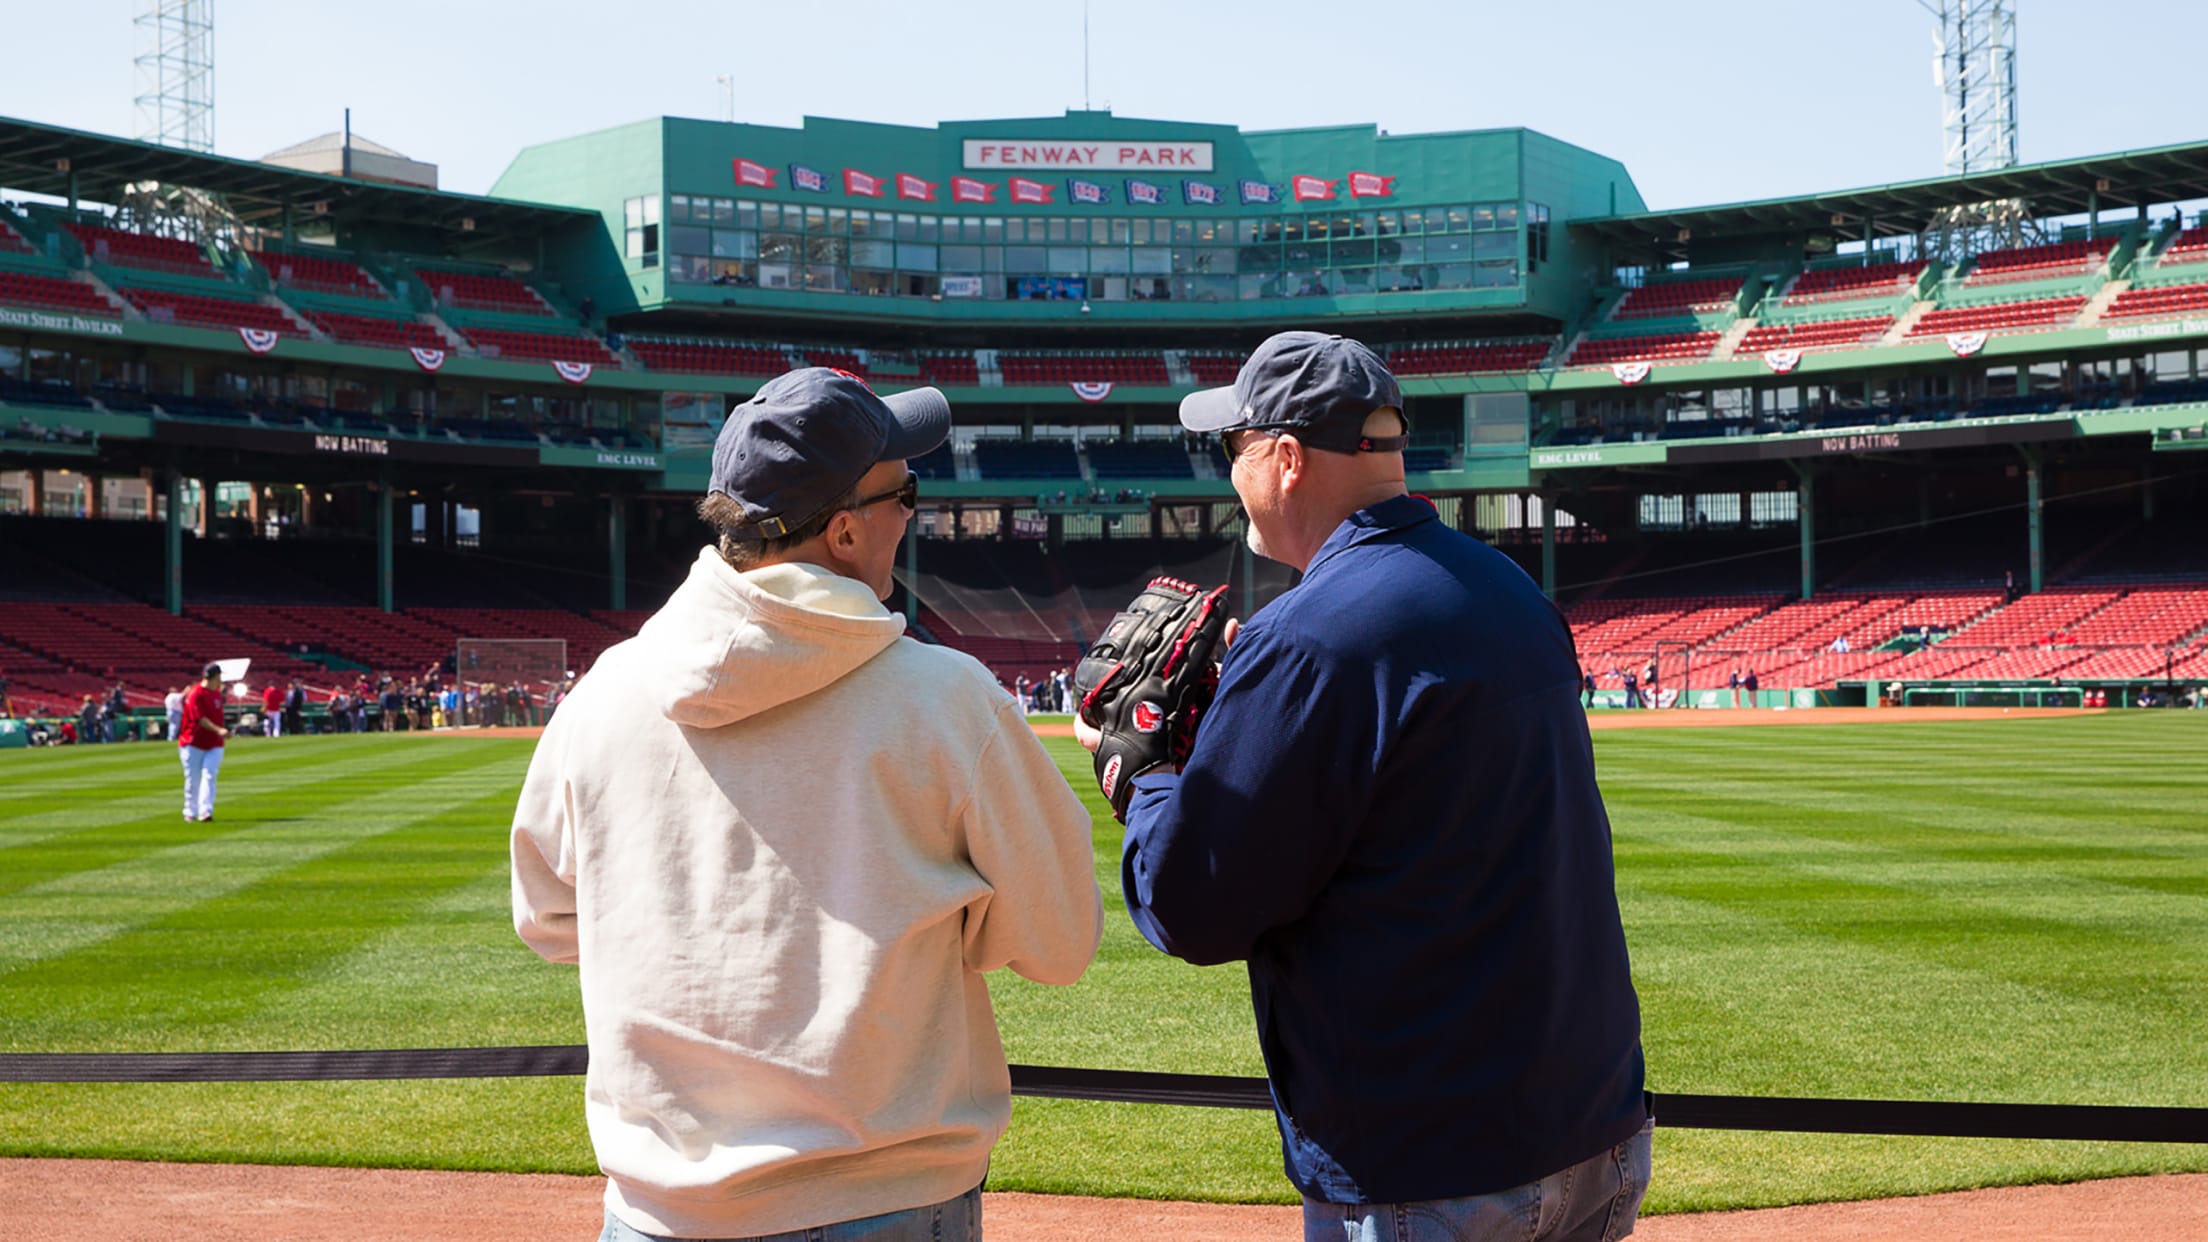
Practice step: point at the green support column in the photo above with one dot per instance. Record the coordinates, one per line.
(172, 544)
(385, 595)
(1548, 545)
(2032, 519)
(617, 552)
(1805, 505)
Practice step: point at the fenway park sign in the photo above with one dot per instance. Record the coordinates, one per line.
(1110, 156)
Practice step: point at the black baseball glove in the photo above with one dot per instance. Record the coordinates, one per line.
(1146, 682)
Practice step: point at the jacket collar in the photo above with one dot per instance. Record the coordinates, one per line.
(1394, 514)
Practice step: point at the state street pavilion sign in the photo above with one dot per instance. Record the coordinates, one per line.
(1061, 154)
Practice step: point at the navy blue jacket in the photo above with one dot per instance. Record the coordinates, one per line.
(1391, 813)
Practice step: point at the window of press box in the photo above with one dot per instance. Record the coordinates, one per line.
(641, 234)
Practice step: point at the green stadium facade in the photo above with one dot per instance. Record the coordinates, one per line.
(1780, 401)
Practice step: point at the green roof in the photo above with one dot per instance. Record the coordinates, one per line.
(42, 159)
(2056, 188)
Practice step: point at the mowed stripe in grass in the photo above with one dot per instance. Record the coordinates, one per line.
(1999, 911)
(74, 909)
(2009, 910)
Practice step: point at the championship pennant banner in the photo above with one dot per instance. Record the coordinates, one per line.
(1086, 191)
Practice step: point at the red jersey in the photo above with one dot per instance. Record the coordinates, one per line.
(202, 716)
(272, 699)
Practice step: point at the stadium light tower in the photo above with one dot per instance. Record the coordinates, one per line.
(1974, 65)
(176, 73)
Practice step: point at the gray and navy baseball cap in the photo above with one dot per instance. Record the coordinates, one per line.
(1320, 387)
(808, 437)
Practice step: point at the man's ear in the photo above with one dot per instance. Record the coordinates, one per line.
(1292, 459)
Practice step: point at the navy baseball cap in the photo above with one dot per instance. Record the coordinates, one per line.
(1320, 387)
(808, 437)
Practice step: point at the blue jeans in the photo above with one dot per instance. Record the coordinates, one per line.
(953, 1220)
(1595, 1200)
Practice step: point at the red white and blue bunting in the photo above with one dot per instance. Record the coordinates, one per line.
(1092, 391)
(1782, 360)
(427, 359)
(573, 372)
(260, 340)
(1966, 343)
(1629, 372)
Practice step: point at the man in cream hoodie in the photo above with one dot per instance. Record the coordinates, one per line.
(784, 843)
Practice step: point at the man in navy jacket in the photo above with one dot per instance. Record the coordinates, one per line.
(1391, 814)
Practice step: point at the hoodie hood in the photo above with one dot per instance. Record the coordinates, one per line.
(731, 645)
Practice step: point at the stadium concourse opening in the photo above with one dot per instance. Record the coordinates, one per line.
(1819, 450)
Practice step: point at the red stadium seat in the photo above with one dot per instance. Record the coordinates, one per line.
(1678, 297)
(115, 246)
(476, 291)
(1034, 369)
(326, 273)
(2033, 316)
(1835, 284)
(162, 305)
(25, 289)
(538, 346)
(710, 357)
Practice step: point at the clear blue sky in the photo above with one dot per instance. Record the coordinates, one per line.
(1705, 102)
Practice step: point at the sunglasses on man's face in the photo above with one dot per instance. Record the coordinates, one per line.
(907, 494)
(1240, 440)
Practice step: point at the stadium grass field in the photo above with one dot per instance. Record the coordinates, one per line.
(2005, 910)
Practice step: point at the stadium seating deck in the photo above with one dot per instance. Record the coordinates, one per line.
(1814, 334)
(87, 647)
(940, 462)
(711, 357)
(12, 242)
(2155, 301)
(480, 291)
(1214, 370)
(127, 249)
(538, 346)
(1462, 359)
(1678, 297)
(2074, 258)
(375, 331)
(327, 273)
(1838, 284)
(2035, 315)
(1674, 346)
(2190, 246)
(1018, 459)
(1140, 459)
(28, 289)
(1023, 369)
(835, 359)
(2036, 619)
(206, 312)
(950, 370)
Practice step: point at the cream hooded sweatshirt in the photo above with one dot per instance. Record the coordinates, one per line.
(784, 843)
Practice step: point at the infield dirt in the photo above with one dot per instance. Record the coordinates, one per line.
(124, 1201)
